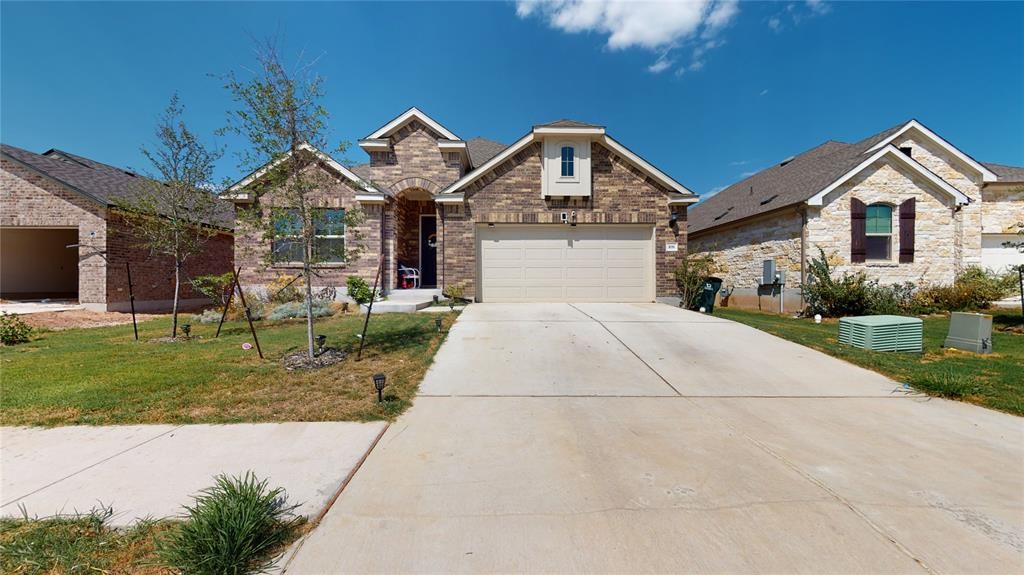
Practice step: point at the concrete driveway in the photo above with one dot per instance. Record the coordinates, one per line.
(642, 438)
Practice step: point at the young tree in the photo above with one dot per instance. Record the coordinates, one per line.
(173, 212)
(278, 110)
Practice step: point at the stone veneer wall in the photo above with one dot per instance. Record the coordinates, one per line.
(937, 230)
(1002, 208)
(32, 200)
(740, 250)
(511, 194)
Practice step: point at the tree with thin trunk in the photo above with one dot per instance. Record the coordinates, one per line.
(278, 110)
(174, 212)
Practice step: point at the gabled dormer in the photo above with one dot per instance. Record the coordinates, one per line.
(380, 144)
(565, 170)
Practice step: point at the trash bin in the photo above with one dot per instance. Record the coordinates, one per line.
(707, 296)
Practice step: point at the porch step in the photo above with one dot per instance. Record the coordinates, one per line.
(405, 301)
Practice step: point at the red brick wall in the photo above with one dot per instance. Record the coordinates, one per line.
(511, 194)
(153, 276)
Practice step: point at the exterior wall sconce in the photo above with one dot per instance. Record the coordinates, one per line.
(379, 381)
(673, 221)
(573, 220)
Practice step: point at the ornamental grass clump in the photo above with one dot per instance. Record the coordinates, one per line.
(237, 526)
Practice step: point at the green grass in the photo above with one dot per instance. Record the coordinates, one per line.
(103, 376)
(78, 544)
(994, 380)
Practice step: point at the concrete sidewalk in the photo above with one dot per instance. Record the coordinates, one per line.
(615, 438)
(152, 470)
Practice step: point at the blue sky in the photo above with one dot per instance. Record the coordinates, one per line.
(707, 91)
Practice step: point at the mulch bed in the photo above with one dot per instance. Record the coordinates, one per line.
(299, 359)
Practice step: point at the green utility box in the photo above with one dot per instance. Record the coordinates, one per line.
(707, 296)
(970, 332)
(882, 332)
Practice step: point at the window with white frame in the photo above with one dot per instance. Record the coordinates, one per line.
(879, 232)
(568, 162)
(328, 241)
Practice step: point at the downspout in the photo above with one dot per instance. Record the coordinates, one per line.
(803, 254)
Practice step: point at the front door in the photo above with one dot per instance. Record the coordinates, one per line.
(428, 251)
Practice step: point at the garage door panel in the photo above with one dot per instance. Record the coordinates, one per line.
(562, 263)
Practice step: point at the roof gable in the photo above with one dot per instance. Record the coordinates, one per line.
(236, 193)
(986, 174)
(404, 118)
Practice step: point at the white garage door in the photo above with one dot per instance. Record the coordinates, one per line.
(557, 262)
(997, 258)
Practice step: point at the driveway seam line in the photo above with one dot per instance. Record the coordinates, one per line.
(88, 467)
(824, 487)
(672, 387)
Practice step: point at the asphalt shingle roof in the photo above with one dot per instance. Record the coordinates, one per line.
(1007, 173)
(481, 149)
(784, 184)
(566, 123)
(101, 182)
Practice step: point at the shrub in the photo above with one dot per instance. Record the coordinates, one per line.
(834, 297)
(359, 290)
(690, 276)
(974, 288)
(298, 309)
(456, 290)
(13, 330)
(891, 299)
(207, 316)
(284, 289)
(257, 306)
(215, 287)
(235, 527)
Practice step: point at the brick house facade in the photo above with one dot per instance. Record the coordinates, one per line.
(946, 212)
(420, 174)
(54, 200)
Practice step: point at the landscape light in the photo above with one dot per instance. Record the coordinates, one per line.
(186, 328)
(437, 322)
(321, 340)
(379, 381)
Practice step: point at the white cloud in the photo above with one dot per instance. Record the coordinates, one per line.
(661, 64)
(712, 192)
(662, 26)
(818, 6)
(739, 163)
(748, 174)
(775, 24)
(763, 92)
(798, 12)
(695, 65)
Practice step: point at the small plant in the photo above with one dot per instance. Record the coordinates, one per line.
(690, 276)
(207, 316)
(14, 330)
(216, 287)
(359, 290)
(284, 289)
(298, 309)
(835, 296)
(257, 306)
(455, 291)
(234, 527)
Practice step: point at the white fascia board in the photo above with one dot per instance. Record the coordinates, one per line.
(386, 129)
(348, 174)
(451, 144)
(986, 174)
(647, 167)
(449, 199)
(486, 167)
(568, 131)
(683, 201)
(818, 198)
(370, 198)
(375, 145)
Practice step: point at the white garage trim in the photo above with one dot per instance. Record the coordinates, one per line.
(562, 263)
(997, 258)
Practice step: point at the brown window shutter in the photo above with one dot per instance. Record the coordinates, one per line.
(858, 231)
(908, 214)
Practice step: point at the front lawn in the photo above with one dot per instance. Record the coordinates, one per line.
(102, 376)
(995, 380)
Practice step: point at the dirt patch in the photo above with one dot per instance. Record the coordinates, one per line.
(79, 318)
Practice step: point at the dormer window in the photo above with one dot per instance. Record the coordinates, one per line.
(568, 162)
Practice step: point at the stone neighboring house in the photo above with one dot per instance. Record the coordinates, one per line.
(902, 205)
(566, 213)
(56, 199)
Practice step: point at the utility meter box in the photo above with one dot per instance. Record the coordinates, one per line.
(970, 332)
(768, 276)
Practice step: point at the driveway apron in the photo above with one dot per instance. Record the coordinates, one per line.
(613, 438)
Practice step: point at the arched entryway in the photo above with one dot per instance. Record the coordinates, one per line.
(415, 225)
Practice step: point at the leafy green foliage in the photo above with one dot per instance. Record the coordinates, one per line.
(359, 290)
(14, 330)
(834, 296)
(974, 288)
(215, 286)
(690, 276)
(456, 290)
(296, 309)
(234, 527)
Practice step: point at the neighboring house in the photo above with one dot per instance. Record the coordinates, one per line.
(903, 205)
(565, 213)
(61, 236)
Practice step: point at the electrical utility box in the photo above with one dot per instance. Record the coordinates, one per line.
(970, 332)
(771, 275)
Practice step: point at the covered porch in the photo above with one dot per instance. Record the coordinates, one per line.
(414, 242)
